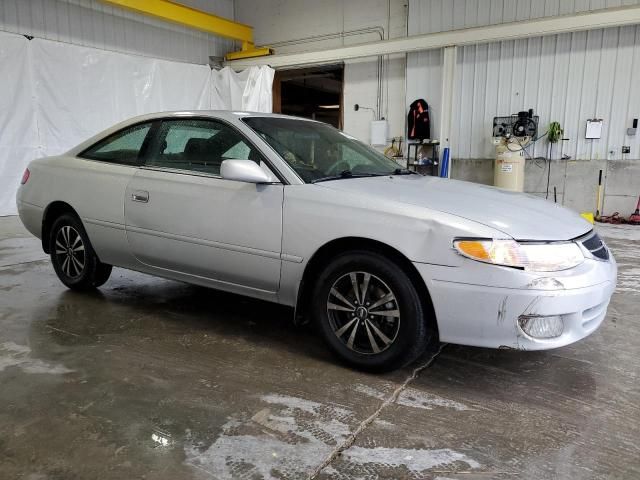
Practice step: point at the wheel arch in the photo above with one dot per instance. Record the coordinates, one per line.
(345, 244)
(51, 213)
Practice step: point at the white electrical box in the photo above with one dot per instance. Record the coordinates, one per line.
(379, 132)
(594, 128)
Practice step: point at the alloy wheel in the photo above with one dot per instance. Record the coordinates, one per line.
(70, 251)
(363, 312)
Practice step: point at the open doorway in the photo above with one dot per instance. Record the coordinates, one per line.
(310, 92)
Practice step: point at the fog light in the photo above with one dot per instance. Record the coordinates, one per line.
(541, 327)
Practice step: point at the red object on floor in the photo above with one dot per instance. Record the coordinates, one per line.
(634, 218)
(613, 218)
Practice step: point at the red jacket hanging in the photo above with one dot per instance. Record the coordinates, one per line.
(418, 120)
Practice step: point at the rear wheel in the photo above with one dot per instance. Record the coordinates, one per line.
(369, 312)
(73, 257)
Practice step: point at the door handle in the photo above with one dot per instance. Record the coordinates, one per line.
(140, 196)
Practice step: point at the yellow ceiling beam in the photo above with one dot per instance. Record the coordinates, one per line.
(248, 53)
(206, 22)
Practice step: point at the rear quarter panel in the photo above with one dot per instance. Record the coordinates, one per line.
(95, 190)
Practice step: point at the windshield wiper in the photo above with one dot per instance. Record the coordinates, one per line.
(346, 174)
(350, 174)
(402, 171)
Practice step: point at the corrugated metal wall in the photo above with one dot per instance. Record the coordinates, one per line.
(430, 16)
(567, 77)
(95, 24)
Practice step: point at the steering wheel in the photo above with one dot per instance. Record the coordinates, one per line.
(338, 168)
(293, 160)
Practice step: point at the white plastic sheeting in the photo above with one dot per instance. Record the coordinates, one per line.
(18, 132)
(249, 90)
(54, 95)
(81, 91)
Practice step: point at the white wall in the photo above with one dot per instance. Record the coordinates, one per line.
(277, 21)
(431, 16)
(95, 24)
(568, 77)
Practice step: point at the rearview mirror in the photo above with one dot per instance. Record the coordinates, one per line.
(243, 171)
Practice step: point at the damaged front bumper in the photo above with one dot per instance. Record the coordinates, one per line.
(500, 307)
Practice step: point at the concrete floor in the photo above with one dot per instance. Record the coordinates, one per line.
(149, 378)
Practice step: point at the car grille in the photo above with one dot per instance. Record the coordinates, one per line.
(596, 246)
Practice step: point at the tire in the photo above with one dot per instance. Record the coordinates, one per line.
(380, 342)
(74, 260)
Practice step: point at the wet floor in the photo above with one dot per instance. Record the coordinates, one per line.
(149, 378)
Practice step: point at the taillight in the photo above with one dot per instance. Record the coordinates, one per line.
(25, 176)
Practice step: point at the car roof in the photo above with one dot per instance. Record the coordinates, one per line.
(224, 114)
(229, 115)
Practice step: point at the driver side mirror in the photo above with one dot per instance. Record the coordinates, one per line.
(243, 171)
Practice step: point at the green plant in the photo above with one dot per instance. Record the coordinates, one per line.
(554, 132)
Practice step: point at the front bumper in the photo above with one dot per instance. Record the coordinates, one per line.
(471, 313)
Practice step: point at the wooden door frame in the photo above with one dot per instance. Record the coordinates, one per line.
(277, 92)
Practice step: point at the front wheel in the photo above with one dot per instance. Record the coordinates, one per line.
(72, 255)
(369, 312)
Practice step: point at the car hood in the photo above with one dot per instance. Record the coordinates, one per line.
(519, 215)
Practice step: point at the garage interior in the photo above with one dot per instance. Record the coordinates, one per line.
(152, 378)
(314, 93)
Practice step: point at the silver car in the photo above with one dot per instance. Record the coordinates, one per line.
(382, 260)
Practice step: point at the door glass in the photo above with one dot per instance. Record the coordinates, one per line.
(121, 147)
(199, 145)
(177, 136)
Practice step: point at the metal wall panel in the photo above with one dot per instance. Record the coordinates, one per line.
(430, 16)
(95, 24)
(567, 77)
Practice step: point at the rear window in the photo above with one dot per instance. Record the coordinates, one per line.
(122, 147)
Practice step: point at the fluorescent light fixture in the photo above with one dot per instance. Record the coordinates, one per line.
(329, 107)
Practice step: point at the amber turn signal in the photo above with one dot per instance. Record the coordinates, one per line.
(474, 249)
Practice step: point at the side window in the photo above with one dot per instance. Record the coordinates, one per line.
(122, 147)
(199, 145)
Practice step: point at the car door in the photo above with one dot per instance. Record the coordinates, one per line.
(181, 216)
(96, 187)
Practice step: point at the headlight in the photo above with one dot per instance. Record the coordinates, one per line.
(535, 257)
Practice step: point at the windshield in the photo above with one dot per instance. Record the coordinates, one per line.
(318, 152)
